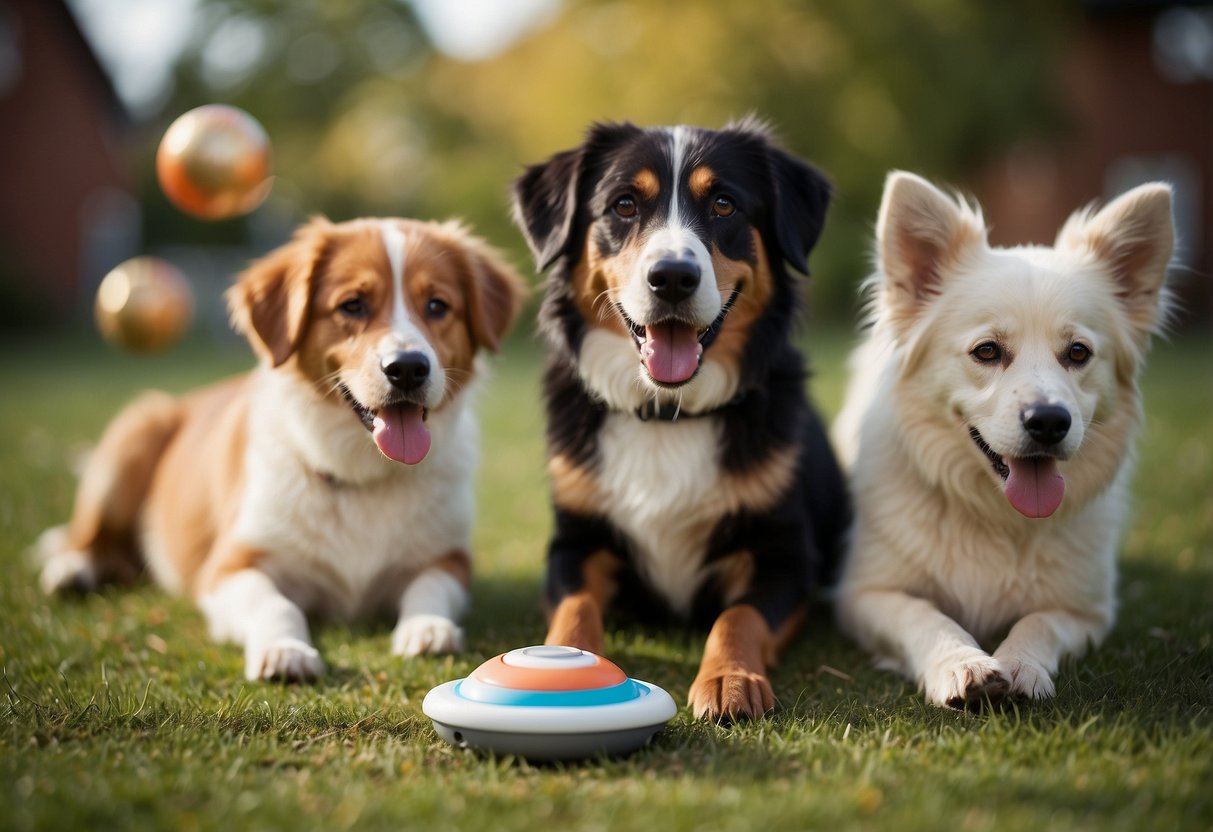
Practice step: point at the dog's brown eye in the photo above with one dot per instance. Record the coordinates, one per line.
(355, 307)
(1078, 354)
(626, 207)
(987, 352)
(436, 309)
(723, 207)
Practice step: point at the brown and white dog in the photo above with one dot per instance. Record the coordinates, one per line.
(989, 432)
(335, 478)
(691, 478)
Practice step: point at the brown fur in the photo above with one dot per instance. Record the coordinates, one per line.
(702, 180)
(577, 620)
(170, 472)
(646, 184)
(757, 289)
(592, 279)
(732, 679)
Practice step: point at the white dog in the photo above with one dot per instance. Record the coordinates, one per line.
(989, 433)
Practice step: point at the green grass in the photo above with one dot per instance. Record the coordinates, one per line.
(115, 711)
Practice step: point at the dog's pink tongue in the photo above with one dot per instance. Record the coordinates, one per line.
(1034, 487)
(671, 352)
(401, 433)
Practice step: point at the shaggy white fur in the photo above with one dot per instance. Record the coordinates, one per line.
(970, 517)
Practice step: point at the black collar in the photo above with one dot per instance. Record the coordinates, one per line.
(654, 411)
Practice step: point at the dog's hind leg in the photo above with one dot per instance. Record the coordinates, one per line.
(100, 542)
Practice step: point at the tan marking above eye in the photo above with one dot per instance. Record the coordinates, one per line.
(702, 180)
(646, 184)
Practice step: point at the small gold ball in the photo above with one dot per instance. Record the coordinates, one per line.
(144, 305)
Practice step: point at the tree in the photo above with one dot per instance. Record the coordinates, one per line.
(366, 118)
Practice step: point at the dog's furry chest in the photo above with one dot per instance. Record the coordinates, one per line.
(660, 483)
(984, 574)
(348, 547)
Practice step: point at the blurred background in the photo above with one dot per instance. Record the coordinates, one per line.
(430, 108)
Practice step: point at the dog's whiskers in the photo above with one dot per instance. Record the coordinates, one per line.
(457, 378)
(606, 308)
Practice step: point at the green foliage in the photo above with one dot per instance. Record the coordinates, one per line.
(117, 712)
(366, 119)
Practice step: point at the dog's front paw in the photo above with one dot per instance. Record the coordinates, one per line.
(1028, 677)
(284, 659)
(63, 569)
(68, 572)
(731, 696)
(966, 681)
(431, 634)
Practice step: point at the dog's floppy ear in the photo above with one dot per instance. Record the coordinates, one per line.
(802, 195)
(546, 197)
(269, 303)
(1132, 237)
(920, 231)
(494, 290)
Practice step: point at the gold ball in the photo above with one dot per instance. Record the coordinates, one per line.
(144, 305)
(214, 162)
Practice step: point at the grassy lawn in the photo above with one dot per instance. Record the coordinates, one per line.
(115, 711)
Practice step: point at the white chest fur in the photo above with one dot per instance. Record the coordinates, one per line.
(660, 485)
(369, 520)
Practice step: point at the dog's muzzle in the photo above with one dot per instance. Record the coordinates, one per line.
(673, 280)
(1047, 424)
(398, 425)
(406, 370)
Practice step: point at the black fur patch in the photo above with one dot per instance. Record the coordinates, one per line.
(572, 199)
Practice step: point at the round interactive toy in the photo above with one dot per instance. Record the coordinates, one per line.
(144, 305)
(549, 703)
(214, 162)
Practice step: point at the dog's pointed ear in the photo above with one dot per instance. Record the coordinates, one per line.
(1132, 237)
(545, 199)
(495, 291)
(920, 231)
(270, 302)
(802, 195)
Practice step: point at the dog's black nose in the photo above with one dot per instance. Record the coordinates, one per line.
(674, 280)
(406, 370)
(1048, 424)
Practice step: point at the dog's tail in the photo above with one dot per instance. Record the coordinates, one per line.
(100, 543)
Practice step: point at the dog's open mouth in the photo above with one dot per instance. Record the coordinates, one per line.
(1031, 484)
(398, 428)
(671, 350)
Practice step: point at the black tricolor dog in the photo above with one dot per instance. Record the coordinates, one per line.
(689, 473)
